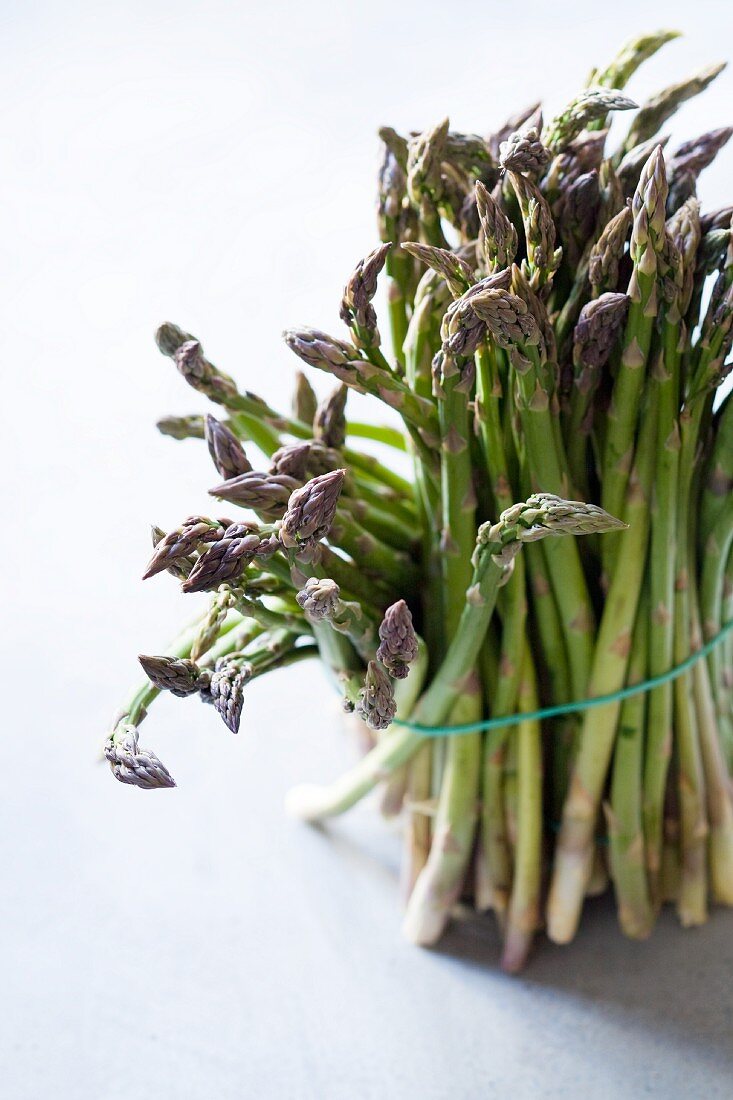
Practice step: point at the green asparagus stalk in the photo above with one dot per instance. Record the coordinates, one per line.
(665, 532)
(574, 849)
(647, 243)
(633, 54)
(624, 809)
(456, 818)
(523, 918)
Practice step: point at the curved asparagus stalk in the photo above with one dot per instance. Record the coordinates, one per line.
(345, 362)
(312, 802)
(139, 767)
(541, 516)
(428, 910)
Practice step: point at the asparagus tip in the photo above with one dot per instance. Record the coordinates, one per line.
(132, 765)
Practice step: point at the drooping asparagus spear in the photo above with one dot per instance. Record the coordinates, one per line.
(321, 599)
(262, 424)
(253, 417)
(541, 516)
(345, 362)
(139, 767)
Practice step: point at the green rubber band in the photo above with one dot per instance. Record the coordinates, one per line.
(571, 708)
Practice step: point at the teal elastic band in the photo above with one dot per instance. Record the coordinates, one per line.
(572, 708)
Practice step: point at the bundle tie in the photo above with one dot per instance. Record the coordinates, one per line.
(578, 705)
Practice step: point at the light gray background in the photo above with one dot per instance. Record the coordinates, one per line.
(213, 164)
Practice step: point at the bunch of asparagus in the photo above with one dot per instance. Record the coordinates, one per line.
(561, 321)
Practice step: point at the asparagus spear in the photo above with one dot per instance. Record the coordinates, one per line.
(574, 848)
(633, 54)
(655, 112)
(647, 244)
(665, 392)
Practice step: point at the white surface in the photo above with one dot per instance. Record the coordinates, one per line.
(213, 165)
